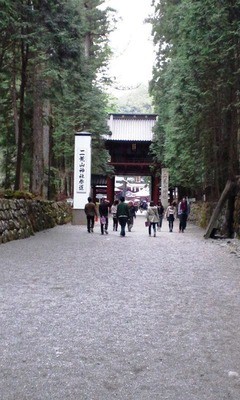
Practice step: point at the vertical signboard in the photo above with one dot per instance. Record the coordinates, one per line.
(164, 186)
(82, 169)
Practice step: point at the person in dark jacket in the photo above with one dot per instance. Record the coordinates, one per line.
(91, 212)
(132, 215)
(183, 211)
(103, 212)
(160, 209)
(122, 215)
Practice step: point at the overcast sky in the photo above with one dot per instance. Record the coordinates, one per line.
(131, 43)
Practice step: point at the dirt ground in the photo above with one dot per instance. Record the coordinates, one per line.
(92, 317)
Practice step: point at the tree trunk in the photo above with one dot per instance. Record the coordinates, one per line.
(38, 163)
(14, 99)
(46, 147)
(24, 55)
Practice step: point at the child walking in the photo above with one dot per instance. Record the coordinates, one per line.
(114, 215)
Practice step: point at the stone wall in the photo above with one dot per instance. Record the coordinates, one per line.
(20, 218)
(201, 213)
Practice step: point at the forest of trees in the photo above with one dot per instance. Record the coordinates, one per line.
(53, 59)
(196, 91)
(136, 100)
(53, 72)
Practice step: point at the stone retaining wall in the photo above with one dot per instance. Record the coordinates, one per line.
(201, 213)
(20, 218)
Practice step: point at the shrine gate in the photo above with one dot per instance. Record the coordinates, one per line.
(128, 145)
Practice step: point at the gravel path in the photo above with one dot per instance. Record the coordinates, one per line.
(91, 317)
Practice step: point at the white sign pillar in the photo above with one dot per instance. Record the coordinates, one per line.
(164, 187)
(82, 176)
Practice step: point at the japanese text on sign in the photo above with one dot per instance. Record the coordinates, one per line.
(82, 170)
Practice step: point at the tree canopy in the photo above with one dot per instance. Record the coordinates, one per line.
(53, 59)
(195, 88)
(53, 68)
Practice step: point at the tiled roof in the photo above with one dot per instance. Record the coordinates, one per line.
(131, 127)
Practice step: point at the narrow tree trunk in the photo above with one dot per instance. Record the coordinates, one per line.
(230, 215)
(37, 169)
(234, 94)
(24, 54)
(8, 155)
(46, 147)
(14, 99)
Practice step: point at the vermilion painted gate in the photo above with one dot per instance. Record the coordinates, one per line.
(128, 145)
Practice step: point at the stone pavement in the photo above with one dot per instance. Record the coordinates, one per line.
(91, 317)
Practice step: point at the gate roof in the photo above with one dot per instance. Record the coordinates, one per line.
(131, 127)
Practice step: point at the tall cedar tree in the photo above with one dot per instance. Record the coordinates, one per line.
(196, 91)
(50, 57)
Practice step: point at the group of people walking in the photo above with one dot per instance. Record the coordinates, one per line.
(123, 214)
(181, 211)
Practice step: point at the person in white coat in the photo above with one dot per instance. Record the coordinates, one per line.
(171, 215)
(152, 218)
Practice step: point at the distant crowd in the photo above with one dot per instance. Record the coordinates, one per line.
(123, 215)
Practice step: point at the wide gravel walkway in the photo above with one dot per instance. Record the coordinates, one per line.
(91, 317)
